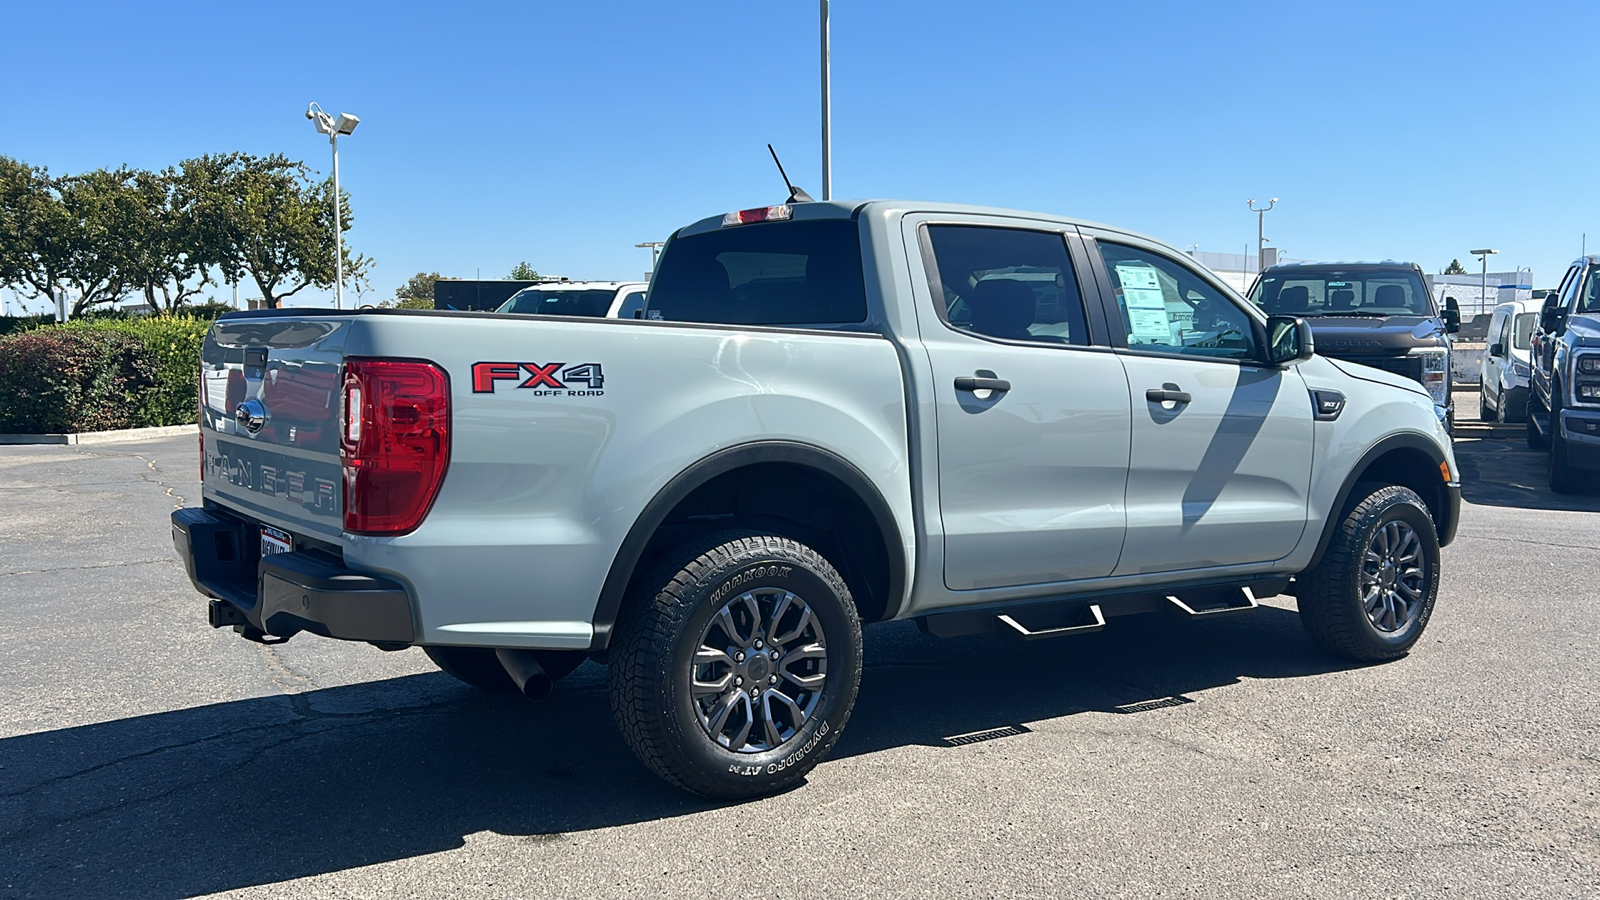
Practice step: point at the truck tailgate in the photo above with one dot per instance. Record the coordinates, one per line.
(269, 398)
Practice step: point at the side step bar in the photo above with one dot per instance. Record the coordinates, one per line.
(1019, 630)
(1227, 602)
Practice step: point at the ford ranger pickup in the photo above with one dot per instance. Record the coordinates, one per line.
(828, 414)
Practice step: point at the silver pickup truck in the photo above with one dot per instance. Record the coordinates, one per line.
(828, 414)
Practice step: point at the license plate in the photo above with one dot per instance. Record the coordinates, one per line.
(275, 541)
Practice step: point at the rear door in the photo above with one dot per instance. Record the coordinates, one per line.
(1031, 406)
(1220, 463)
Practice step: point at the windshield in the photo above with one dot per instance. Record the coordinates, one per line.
(1522, 335)
(1345, 292)
(559, 303)
(779, 273)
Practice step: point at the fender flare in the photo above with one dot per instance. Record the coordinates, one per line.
(721, 462)
(1449, 498)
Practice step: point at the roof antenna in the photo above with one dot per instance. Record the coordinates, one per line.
(795, 194)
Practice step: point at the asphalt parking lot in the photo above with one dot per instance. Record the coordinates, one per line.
(144, 754)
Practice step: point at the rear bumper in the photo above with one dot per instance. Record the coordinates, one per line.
(286, 593)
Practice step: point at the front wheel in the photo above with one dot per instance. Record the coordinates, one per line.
(1372, 595)
(734, 671)
(1563, 478)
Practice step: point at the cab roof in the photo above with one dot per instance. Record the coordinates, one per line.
(850, 209)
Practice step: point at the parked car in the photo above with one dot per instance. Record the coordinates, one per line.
(1378, 314)
(831, 413)
(1503, 386)
(594, 299)
(1564, 400)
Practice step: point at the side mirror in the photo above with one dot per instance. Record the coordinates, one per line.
(1452, 319)
(1497, 349)
(1288, 340)
(1553, 320)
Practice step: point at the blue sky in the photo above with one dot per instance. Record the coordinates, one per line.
(565, 133)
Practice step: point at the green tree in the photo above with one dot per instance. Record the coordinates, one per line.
(1455, 268)
(524, 272)
(168, 258)
(65, 234)
(266, 218)
(417, 292)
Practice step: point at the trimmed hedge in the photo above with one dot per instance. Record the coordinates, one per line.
(9, 324)
(99, 374)
(61, 381)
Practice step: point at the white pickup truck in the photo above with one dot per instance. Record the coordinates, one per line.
(829, 414)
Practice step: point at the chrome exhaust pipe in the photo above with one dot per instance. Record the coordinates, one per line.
(525, 670)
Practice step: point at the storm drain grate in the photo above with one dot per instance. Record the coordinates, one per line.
(975, 737)
(1147, 705)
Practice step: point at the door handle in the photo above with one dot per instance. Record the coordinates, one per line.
(977, 383)
(1162, 395)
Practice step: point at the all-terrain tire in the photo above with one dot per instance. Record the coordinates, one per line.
(1485, 414)
(479, 667)
(1332, 600)
(1564, 479)
(657, 653)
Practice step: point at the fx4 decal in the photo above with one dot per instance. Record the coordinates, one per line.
(545, 379)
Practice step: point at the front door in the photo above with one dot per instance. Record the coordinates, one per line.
(1032, 417)
(1221, 455)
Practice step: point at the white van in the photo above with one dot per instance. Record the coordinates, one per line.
(1503, 396)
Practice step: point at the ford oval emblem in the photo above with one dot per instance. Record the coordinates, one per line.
(251, 416)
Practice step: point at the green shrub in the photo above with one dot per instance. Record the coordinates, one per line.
(64, 380)
(173, 344)
(9, 324)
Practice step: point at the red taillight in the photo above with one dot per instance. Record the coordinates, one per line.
(394, 441)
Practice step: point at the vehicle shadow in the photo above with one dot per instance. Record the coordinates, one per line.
(264, 790)
(1502, 471)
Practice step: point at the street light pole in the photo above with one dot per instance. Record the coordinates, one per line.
(333, 127)
(1261, 239)
(827, 115)
(655, 252)
(1483, 285)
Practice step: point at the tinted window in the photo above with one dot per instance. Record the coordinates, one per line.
(631, 304)
(1167, 307)
(777, 273)
(1008, 283)
(1522, 336)
(1349, 292)
(559, 303)
(1589, 297)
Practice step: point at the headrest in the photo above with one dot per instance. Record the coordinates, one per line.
(1389, 295)
(1296, 299)
(1003, 308)
(1342, 299)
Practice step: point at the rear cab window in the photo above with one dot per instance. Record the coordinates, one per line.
(795, 273)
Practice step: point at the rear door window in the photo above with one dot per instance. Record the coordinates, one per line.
(774, 273)
(1008, 283)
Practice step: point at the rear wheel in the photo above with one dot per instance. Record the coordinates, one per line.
(1372, 595)
(734, 671)
(479, 667)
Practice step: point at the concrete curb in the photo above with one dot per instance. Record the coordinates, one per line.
(101, 437)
